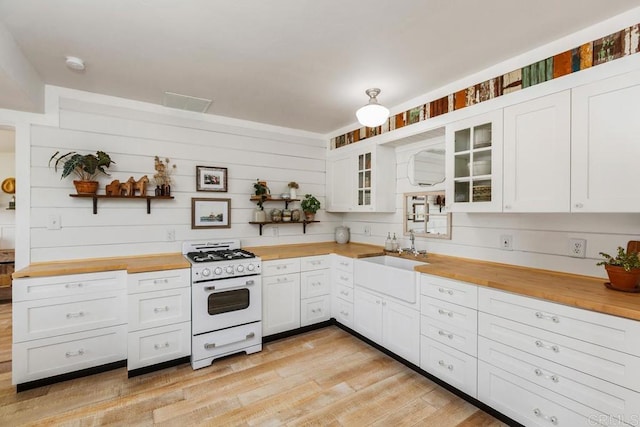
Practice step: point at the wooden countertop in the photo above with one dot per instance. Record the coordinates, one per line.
(133, 264)
(570, 289)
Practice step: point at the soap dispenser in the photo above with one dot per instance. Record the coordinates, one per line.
(394, 243)
(387, 243)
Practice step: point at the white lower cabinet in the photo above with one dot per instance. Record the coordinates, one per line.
(159, 317)
(280, 303)
(63, 324)
(388, 323)
(450, 365)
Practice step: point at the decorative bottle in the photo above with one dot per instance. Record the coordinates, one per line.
(387, 243)
(394, 243)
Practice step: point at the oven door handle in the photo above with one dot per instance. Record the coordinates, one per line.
(210, 346)
(213, 288)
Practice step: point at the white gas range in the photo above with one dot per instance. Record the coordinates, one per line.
(226, 300)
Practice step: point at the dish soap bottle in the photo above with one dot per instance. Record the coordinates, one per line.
(387, 243)
(394, 243)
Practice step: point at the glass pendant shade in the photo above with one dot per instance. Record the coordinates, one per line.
(372, 114)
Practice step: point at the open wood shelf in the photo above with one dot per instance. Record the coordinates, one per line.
(275, 199)
(95, 198)
(304, 224)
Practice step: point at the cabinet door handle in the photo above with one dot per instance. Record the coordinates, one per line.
(552, 419)
(552, 317)
(445, 291)
(161, 309)
(507, 206)
(80, 352)
(344, 313)
(160, 281)
(161, 346)
(553, 347)
(445, 334)
(445, 365)
(445, 312)
(73, 315)
(579, 205)
(540, 373)
(344, 278)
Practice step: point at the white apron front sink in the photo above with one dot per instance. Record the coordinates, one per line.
(392, 276)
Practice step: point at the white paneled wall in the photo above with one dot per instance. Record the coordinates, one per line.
(133, 138)
(539, 240)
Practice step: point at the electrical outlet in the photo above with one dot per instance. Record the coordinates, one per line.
(53, 222)
(577, 248)
(367, 230)
(171, 235)
(274, 231)
(506, 241)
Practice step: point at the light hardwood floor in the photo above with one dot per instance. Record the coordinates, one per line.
(325, 377)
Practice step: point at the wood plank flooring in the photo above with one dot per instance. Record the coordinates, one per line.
(322, 378)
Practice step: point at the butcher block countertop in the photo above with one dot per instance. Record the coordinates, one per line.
(133, 264)
(570, 289)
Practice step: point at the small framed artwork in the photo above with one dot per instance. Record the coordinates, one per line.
(418, 212)
(210, 213)
(210, 178)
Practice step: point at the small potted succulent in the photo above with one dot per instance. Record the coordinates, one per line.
(310, 205)
(293, 186)
(623, 269)
(85, 166)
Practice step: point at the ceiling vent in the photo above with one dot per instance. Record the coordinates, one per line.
(185, 102)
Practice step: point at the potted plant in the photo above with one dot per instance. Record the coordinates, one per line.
(86, 167)
(310, 206)
(623, 269)
(261, 191)
(293, 186)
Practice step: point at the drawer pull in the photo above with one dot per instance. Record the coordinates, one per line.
(443, 364)
(283, 280)
(540, 373)
(316, 310)
(74, 353)
(316, 262)
(281, 267)
(445, 312)
(345, 293)
(161, 309)
(344, 313)
(344, 278)
(160, 281)
(552, 419)
(74, 285)
(161, 346)
(344, 264)
(73, 315)
(552, 317)
(445, 334)
(316, 284)
(209, 346)
(554, 347)
(445, 291)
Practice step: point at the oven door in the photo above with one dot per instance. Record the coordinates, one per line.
(223, 303)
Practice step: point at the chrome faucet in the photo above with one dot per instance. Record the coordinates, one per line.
(413, 242)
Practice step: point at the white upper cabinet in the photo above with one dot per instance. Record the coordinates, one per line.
(537, 142)
(474, 164)
(605, 145)
(362, 180)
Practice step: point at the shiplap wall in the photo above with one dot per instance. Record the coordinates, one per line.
(133, 138)
(539, 240)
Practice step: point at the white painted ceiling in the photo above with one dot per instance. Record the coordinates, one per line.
(301, 64)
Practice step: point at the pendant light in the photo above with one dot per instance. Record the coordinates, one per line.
(372, 114)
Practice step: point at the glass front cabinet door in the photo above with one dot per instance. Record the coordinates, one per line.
(474, 164)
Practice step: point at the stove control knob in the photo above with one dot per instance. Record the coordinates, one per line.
(240, 268)
(218, 271)
(251, 267)
(229, 269)
(205, 272)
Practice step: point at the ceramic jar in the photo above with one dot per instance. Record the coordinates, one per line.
(286, 215)
(342, 234)
(295, 215)
(276, 215)
(259, 215)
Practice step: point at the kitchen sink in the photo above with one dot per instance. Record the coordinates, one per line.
(388, 275)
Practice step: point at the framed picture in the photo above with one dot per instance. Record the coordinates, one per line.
(210, 178)
(210, 213)
(418, 212)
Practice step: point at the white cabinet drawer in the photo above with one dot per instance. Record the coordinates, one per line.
(157, 345)
(343, 312)
(345, 293)
(281, 266)
(450, 335)
(600, 395)
(314, 283)
(228, 341)
(450, 365)
(609, 365)
(158, 280)
(602, 329)
(314, 310)
(343, 263)
(343, 278)
(151, 309)
(32, 288)
(450, 314)
(318, 262)
(528, 403)
(449, 290)
(44, 358)
(45, 318)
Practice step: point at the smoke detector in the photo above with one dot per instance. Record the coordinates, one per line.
(74, 63)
